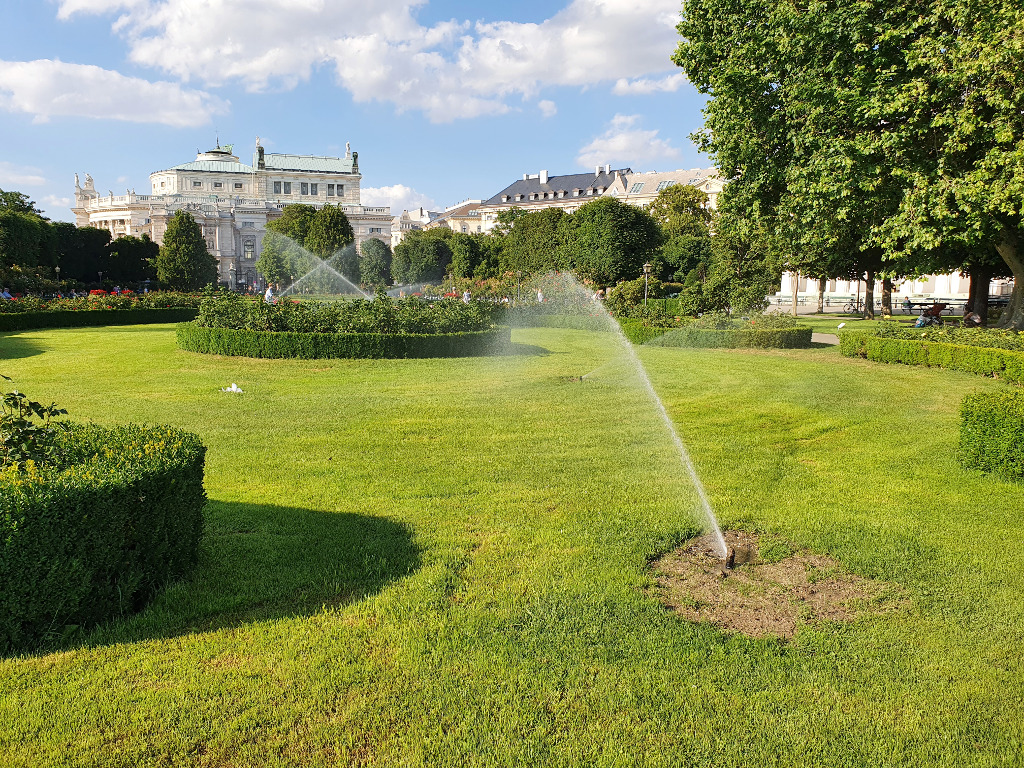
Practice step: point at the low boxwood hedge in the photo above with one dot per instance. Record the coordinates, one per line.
(992, 433)
(639, 332)
(985, 361)
(291, 344)
(97, 533)
(734, 338)
(26, 321)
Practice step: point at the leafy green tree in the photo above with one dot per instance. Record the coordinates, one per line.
(294, 222)
(18, 202)
(81, 251)
(531, 243)
(375, 263)
(275, 258)
(329, 237)
(184, 263)
(681, 210)
(607, 240)
(131, 259)
(422, 257)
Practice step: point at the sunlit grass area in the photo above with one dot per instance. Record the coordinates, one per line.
(445, 562)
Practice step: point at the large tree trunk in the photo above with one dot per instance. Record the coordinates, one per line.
(977, 300)
(887, 297)
(869, 296)
(796, 290)
(1009, 249)
(821, 295)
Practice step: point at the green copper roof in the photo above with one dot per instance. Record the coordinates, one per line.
(213, 166)
(309, 163)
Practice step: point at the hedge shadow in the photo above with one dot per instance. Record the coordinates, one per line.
(263, 562)
(16, 347)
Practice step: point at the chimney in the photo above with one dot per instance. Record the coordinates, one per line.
(543, 177)
(608, 168)
(597, 170)
(526, 176)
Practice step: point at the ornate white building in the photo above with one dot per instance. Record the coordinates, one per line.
(233, 202)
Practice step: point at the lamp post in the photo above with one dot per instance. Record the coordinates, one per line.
(519, 284)
(58, 276)
(647, 277)
(101, 278)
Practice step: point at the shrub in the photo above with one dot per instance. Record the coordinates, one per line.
(314, 345)
(992, 433)
(73, 319)
(693, 335)
(27, 432)
(95, 534)
(381, 315)
(893, 347)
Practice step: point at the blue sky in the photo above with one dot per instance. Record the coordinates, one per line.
(443, 100)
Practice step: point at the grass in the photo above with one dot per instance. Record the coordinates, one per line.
(444, 563)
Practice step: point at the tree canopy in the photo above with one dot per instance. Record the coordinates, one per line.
(184, 263)
(607, 240)
(375, 263)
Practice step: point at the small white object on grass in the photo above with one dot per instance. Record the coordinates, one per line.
(233, 388)
(842, 325)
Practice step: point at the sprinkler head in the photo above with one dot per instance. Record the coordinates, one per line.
(730, 558)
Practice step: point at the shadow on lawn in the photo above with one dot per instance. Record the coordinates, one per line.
(16, 347)
(515, 349)
(263, 562)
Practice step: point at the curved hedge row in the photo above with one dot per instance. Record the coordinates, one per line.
(26, 321)
(735, 338)
(95, 536)
(984, 361)
(290, 344)
(992, 433)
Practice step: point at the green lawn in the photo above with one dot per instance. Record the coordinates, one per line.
(444, 563)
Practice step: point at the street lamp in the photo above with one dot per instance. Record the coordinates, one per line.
(519, 283)
(58, 274)
(647, 277)
(101, 278)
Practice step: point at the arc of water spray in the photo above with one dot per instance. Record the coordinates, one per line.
(684, 455)
(322, 264)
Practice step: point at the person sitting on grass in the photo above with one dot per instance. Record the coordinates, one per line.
(5, 294)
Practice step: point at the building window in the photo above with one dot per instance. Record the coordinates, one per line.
(287, 187)
(304, 188)
(217, 185)
(163, 184)
(330, 190)
(636, 188)
(249, 248)
(277, 187)
(341, 190)
(376, 230)
(197, 185)
(665, 185)
(314, 189)
(248, 225)
(238, 186)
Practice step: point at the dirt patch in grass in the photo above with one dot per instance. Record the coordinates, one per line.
(769, 595)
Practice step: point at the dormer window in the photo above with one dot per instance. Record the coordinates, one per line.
(665, 185)
(637, 188)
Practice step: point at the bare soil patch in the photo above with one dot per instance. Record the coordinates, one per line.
(759, 598)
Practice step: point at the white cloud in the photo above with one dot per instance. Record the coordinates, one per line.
(645, 86)
(625, 143)
(548, 108)
(15, 176)
(399, 197)
(45, 88)
(379, 52)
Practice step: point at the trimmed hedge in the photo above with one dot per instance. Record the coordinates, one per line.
(290, 344)
(26, 321)
(735, 338)
(984, 361)
(639, 333)
(95, 536)
(527, 319)
(992, 433)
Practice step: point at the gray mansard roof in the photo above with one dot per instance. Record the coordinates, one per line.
(567, 184)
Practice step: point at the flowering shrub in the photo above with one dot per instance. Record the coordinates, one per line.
(379, 315)
(100, 301)
(27, 432)
(954, 334)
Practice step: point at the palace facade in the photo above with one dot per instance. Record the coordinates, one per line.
(233, 202)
